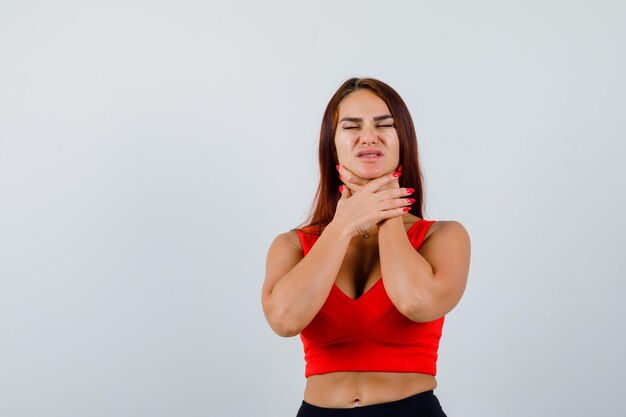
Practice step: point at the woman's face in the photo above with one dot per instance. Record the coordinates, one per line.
(366, 139)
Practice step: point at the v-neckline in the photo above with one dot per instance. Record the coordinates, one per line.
(378, 282)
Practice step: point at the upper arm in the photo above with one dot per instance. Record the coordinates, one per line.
(447, 250)
(284, 253)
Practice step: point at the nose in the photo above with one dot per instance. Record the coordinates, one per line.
(368, 140)
(368, 137)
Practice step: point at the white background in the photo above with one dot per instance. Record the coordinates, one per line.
(151, 151)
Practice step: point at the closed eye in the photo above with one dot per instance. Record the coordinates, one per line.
(385, 125)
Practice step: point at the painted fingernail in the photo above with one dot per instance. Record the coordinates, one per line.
(341, 188)
(399, 168)
(337, 166)
(406, 209)
(410, 190)
(410, 200)
(396, 174)
(340, 177)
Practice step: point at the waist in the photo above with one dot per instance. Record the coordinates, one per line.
(350, 389)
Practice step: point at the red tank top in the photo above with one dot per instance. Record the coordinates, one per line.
(369, 333)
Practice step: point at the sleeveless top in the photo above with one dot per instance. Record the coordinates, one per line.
(369, 333)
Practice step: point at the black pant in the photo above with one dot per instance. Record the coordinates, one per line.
(424, 404)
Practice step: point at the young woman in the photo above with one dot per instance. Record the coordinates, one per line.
(367, 281)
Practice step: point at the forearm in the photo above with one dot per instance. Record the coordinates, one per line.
(409, 279)
(300, 294)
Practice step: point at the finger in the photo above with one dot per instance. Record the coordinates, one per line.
(388, 214)
(393, 185)
(399, 212)
(345, 192)
(343, 170)
(377, 183)
(394, 193)
(353, 187)
(348, 176)
(395, 203)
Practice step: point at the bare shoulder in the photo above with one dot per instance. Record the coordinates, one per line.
(288, 239)
(449, 228)
(286, 245)
(447, 245)
(284, 253)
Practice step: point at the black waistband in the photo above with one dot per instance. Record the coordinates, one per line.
(418, 402)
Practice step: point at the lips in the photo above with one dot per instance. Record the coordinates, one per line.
(370, 153)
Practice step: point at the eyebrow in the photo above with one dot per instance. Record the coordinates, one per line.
(360, 120)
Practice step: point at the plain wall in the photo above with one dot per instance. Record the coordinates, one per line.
(151, 151)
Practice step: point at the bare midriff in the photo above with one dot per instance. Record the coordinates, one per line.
(356, 389)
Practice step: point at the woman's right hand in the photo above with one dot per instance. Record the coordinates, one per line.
(361, 209)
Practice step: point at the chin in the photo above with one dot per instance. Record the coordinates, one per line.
(371, 172)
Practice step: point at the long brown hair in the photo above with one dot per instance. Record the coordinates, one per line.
(327, 194)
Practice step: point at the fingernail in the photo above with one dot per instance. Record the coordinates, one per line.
(410, 200)
(396, 174)
(406, 209)
(337, 166)
(341, 188)
(399, 168)
(410, 190)
(340, 177)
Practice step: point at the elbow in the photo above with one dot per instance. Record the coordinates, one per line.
(284, 330)
(279, 317)
(284, 325)
(422, 308)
